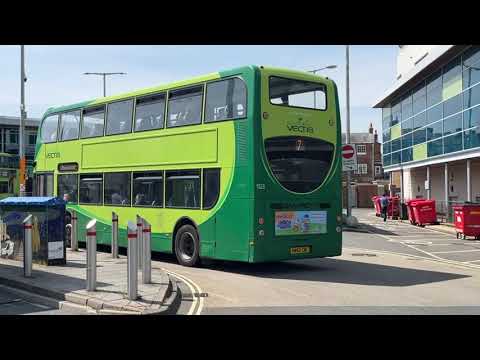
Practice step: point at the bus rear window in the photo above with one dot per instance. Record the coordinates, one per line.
(297, 93)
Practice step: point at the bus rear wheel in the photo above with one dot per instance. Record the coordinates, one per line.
(187, 246)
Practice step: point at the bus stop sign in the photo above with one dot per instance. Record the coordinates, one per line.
(349, 157)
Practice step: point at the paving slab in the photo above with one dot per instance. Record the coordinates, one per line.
(68, 283)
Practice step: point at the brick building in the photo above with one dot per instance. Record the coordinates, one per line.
(369, 156)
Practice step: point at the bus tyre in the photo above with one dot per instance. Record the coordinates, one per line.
(187, 246)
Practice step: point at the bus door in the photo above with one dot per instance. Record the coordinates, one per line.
(44, 184)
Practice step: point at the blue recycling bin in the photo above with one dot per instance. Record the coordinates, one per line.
(48, 233)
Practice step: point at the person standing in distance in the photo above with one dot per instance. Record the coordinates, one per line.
(384, 205)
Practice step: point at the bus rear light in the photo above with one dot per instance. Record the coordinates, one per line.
(261, 220)
(261, 232)
(339, 218)
(265, 115)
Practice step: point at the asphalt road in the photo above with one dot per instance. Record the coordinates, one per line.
(14, 303)
(388, 270)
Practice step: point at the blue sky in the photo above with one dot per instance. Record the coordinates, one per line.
(55, 72)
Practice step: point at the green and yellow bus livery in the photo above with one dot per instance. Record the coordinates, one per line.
(235, 165)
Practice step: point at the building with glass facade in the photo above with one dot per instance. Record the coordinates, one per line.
(431, 123)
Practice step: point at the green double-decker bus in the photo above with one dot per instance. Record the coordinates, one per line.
(237, 165)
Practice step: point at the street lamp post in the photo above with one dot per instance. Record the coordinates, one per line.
(314, 72)
(23, 115)
(347, 54)
(104, 78)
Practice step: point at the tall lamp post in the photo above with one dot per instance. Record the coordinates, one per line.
(314, 72)
(23, 116)
(347, 75)
(104, 78)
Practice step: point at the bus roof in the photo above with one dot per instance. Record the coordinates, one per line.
(171, 85)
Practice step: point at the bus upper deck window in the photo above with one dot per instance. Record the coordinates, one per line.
(226, 99)
(297, 93)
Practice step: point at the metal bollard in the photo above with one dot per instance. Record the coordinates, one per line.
(140, 242)
(27, 246)
(147, 253)
(73, 240)
(132, 273)
(91, 255)
(114, 235)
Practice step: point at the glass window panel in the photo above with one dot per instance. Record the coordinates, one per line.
(471, 57)
(183, 189)
(386, 135)
(148, 189)
(407, 107)
(387, 160)
(386, 117)
(452, 105)
(435, 130)
(471, 97)
(407, 155)
(419, 136)
(211, 187)
(44, 184)
(435, 147)
(452, 79)
(452, 124)
(185, 107)
(117, 188)
(419, 98)
(407, 141)
(49, 129)
(435, 113)
(471, 117)
(119, 117)
(396, 157)
(396, 144)
(407, 126)
(452, 143)
(396, 114)
(387, 147)
(70, 125)
(297, 93)
(93, 122)
(472, 138)
(68, 187)
(434, 89)
(150, 112)
(227, 99)
(419, 120)
(471, 76)
(91, 189)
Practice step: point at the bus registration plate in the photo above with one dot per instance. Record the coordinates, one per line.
(300, 250)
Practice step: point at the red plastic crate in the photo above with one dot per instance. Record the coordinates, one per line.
(467, 220)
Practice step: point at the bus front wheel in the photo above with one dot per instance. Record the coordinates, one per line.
(187, 246)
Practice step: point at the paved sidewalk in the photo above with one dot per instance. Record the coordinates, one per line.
(68, 283)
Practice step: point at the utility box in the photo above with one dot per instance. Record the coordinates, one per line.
(48, 233)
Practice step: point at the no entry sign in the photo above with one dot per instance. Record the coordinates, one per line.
(349, 157)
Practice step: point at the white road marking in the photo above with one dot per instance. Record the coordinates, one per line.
(192, 286)
(454, 251)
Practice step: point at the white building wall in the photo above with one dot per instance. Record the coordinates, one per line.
(408, 55)
(418, 177)
(407, 184)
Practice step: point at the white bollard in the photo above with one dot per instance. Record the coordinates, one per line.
(132, 273)
(91, 255)
(73, 236)
(114, 235)
(27, 246)
(140, 242)
(147, 253)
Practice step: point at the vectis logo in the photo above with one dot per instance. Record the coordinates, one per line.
(300, 125)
